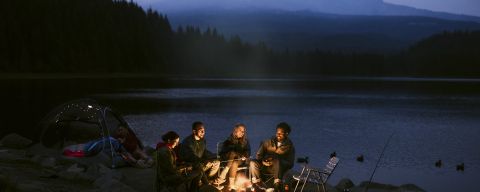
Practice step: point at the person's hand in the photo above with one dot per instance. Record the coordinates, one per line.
(271, 148)
(267, 161)
(141, 164)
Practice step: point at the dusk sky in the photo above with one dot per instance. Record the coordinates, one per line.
(467, 7)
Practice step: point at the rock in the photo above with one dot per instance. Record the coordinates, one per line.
(48, 162)
(74, 172)
(37, 159)
(149, 150)
(92, 172)
(109, 184)
(15, 141)
(40, 150)
(75, 169)
(344, 184)
(105, 176)
(5, 184)
(30, 186)
(68, 175)
(107, 172)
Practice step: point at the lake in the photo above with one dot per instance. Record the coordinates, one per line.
(428, 119)
(426, 125)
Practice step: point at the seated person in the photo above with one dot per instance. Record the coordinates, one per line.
(193, 150)
(168, 173)
(107, 145)
(132, 145)
(275, 155)
(235, 150)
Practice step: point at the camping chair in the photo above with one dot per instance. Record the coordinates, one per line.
(316, 176)
(267, 178)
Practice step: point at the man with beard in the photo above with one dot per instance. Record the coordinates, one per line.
(193, 150)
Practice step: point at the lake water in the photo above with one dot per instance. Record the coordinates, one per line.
(430, 119)
(426, 127)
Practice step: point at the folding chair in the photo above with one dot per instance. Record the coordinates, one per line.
(267, 178)
(316, 176)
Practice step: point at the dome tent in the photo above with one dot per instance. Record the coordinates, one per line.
(81, 121)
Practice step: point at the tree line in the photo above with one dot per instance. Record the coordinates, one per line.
(104, 36)
(81, 36)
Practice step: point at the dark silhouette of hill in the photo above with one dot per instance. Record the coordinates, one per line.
(341, 7)
(305, 30)
(103, 36)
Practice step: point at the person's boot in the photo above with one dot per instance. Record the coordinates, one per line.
(278, 186)
(260, 186)
(224, 172)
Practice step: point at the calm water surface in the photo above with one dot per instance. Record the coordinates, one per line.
(425, 127)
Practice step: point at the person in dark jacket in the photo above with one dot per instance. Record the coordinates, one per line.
(275, 155)
(132, 144)
(167, 172)
(235, 151)
(193, 150)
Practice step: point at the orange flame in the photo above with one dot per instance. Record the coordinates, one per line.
(242, 183)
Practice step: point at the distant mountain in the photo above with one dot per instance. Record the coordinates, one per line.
(343, 7)
(307, 30)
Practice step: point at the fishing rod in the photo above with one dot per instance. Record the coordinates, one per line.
(378, 161)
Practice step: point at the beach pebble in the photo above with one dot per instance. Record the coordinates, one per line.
(15, 141)
(48, 162)
(108, 184)
(75, 169)
(30, 186)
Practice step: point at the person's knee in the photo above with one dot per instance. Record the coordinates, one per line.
(215, 164)
(254, 165)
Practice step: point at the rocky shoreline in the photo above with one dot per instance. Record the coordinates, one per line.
(26, 166)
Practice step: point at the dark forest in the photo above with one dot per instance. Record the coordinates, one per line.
(104, 36)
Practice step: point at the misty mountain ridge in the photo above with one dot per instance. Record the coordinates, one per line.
(342, 7)
(308, 30)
